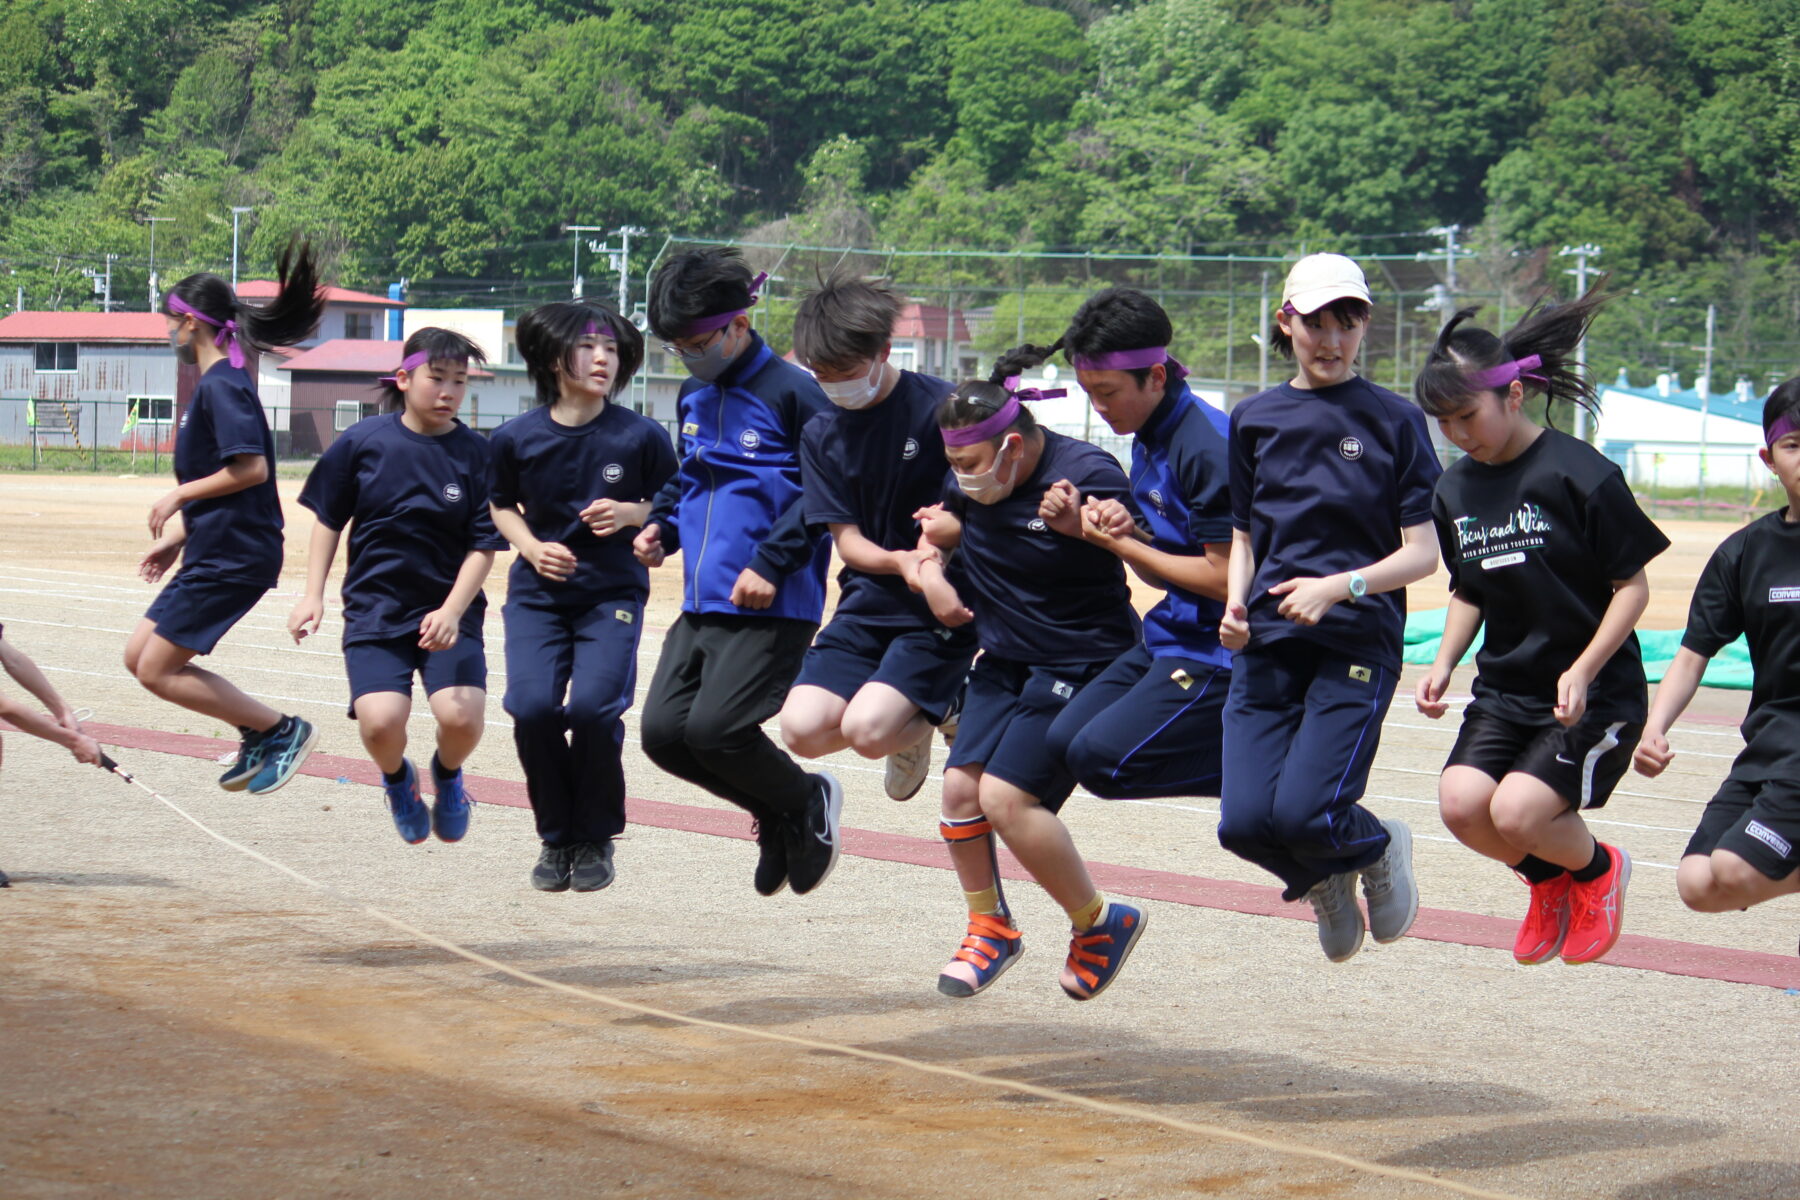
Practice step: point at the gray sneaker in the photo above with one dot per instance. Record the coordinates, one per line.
(1340, 920)
(591, 865)
(908, 769)
(1388, 884)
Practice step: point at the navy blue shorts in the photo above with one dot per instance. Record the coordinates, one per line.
(388, 666)
(927, 666)
(1006, 721)
(195, 613)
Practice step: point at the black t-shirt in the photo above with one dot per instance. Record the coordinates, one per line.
(1536, 544)
(1039, 596)
(1751, 586)
(235, 537)
(1324, 481)
(873, 468)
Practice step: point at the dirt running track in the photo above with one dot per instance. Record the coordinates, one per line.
(177, 1020)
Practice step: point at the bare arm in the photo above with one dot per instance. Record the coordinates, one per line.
(1673, 695)
(552, 560)
(242, 472)
(440, 628)
(1461, 623)
(1305, 600)
(1204, 574)
(1630, 598)
(861, 553)
(27, 675)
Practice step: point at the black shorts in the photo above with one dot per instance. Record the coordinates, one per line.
(927, 666)
(1006, 721)
(1758, 820)
(194, 612)
(1582, 763)
(388, 666)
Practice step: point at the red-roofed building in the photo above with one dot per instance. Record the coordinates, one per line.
(923, 342)
(348, 314)
(333, 385)
(82, 375)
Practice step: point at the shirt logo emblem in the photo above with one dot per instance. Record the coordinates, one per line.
(1156, 498)
(749, 439)
(1037, 525)
(1361, 674)
(1182, 679)
(1784, 595)
(1065, 690)
(910, 451)
(623, 614)
(453, 492)
(1351, 448)
(613, 473)
(690, 429)
(1769, 838)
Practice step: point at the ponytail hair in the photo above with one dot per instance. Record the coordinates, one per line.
(978, 400)
(549, 334)
(438, 346)
(287, 320)
(1539, 352)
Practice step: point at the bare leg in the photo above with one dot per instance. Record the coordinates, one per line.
(381, 719)
(1465, 799)
(1040, 841)
(812, 720)
(880, 721)
(461, 714)
(1725, 882)
(1533, 818)
(167, 671)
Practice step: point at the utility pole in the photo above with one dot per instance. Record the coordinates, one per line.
(236, 212)
(1581, 254)
(578, 230)
(1704, 387)
(621, 262)
(106, 296)
(155, 300)
(1262, 337)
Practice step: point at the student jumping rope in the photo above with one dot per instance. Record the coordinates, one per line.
(411, 485)
(1546, 548)
(224, 520)
(753, 576)
(1331, 484)
(1747, 848)
(1050, 613)
(570, 482)
(56, 723)
(1149, 725)
(883, 673)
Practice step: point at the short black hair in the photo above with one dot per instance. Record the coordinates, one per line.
(1116, 319)
(1349, 310)
(696, 284)
(844, 322)
(443, 345)
(1783, 401)
(548, 336)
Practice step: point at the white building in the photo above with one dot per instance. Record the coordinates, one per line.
(1670, 436)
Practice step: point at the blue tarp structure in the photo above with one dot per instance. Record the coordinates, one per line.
(1730, 668)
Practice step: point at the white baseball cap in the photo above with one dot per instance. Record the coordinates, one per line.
(1318, 279)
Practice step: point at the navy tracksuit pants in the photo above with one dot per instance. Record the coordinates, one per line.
(1145, 727)
(1302, 724)
(571, 747)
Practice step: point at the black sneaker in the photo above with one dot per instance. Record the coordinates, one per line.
(590, 865)
(4, 881)
(772, 861)
(552, 871)
(813, 841)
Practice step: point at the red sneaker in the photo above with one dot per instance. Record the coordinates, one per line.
(1546, 924)
(1596, 911)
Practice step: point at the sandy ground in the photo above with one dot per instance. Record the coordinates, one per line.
(176, 1020)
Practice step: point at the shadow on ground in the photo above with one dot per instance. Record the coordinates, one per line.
(1723, 1181)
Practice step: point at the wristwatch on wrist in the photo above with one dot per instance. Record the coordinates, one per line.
(1359, 587)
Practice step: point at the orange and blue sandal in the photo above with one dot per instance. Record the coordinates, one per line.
(992, 945)
(1096, 956)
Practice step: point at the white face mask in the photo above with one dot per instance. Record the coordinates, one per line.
(987, 487)
(855, 393)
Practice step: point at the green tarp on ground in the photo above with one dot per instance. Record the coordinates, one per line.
(1730, 668)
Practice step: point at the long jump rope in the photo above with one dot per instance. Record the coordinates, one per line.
(1109, 1108)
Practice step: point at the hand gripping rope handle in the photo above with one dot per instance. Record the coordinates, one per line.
(1018, 1087)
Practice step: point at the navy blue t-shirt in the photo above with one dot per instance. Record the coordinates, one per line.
(235, 537)
(873, 468)
(1039, 596)
(416, 506)
(553, 471)
(1180, 479)
(1324, 481)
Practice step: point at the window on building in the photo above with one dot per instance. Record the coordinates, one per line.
(349, 412)
(359, 325)
(56, 356)
(966, 366)
(906, 358)
(154, 410)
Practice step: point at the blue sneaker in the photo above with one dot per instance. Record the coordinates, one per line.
(283, 749)
(452, 807)
(411, 817)
(237, 776)
(992, 945)
(1095, 957)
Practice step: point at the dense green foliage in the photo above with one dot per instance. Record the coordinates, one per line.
(454, 138)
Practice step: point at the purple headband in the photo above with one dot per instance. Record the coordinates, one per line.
(1780, 429)
(1031, 395)
(412, 362)
(991, 427)
(1506, 372)
(721, 320)
(227, 337)
(1130, 360)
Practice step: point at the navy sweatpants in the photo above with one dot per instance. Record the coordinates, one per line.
(1302, 723)
(571, 749)
(1145, 727)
